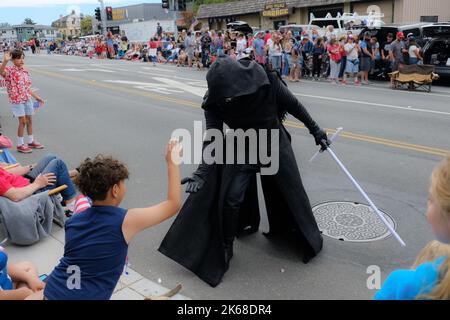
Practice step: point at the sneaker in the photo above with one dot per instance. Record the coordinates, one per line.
(35, 145)
(357, 83)
(24, 149)
(344, 83)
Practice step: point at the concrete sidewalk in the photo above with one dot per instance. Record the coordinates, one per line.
(46, 254)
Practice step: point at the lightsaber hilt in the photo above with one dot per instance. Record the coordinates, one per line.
(333, 137)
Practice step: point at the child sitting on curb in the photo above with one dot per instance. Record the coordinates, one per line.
(18, 281)
(97, 240)
(429, 280)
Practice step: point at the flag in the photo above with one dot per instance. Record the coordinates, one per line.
(194, 23)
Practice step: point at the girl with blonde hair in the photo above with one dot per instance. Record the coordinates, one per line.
(430, 277)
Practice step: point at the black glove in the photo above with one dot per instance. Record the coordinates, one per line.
(195, 183)
(321, 138)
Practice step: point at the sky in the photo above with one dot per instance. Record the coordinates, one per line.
(47, 11)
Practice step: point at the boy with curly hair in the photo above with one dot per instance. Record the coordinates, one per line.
(97, 240)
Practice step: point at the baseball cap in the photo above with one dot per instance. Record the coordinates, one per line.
(400, 34)
(350, 36)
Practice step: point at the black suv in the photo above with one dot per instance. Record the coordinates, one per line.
(381, 33)
(436, 50)
(240, 26)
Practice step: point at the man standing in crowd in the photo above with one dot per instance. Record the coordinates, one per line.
(206, 44)
(366, 58)
(159, 30)
(189, 45)
(258, 46)
(386, 61)
(396, 51)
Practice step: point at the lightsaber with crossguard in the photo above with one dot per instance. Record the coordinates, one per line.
(356, 184)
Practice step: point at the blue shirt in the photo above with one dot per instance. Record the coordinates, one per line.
(5, 280)
(308, 47)
(258, 44)
(410, 284)
(96, 247)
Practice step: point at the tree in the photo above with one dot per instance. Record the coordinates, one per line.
(29, 21)
(86, 26)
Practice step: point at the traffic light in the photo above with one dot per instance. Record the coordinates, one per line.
(98, 14)
(165, 4)
(109, 13)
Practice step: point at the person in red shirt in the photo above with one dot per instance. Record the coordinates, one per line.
(334, 50)
(267, 37)
(153, 50)
(50, 172)
(18, 84)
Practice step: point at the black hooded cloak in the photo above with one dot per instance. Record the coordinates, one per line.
(244, 95)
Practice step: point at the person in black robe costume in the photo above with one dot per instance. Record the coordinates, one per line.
(223, 200)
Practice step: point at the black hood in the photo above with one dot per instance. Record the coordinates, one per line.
(228, 78)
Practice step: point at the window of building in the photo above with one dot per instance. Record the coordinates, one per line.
(429, 18)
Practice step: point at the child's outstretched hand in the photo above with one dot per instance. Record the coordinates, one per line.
(7, 57)
(174, 151)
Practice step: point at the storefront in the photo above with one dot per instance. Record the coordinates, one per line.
(270, 14)
(278, 13)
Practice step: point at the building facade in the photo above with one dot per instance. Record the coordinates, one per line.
(46, 32)
(25, 32)
(69, 25)
(8, 34)
(270, 14)
(145, 12)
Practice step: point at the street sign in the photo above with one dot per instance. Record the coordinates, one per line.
(119, 14)
(276, 10)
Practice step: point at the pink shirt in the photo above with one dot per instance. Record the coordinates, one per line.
(18, 84)
(335, 53)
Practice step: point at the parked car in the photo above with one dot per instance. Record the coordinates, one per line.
(240, 26)
(437, 48)
(382, 32)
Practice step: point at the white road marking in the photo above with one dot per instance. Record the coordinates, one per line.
(147, 86)
(158, 69)
(200, 92)
(409, 108)
(83, 70)
(372, 87)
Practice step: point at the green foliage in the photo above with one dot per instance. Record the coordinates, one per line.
(86, 26)
(28, 21)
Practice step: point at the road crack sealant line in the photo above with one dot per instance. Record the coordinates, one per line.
(292, 124)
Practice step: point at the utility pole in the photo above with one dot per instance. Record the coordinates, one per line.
(174, 8)
(103, 14)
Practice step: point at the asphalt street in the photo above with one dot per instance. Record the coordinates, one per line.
(391, 142)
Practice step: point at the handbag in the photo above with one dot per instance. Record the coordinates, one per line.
(5, 142)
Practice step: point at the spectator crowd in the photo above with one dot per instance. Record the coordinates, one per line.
(316, 55)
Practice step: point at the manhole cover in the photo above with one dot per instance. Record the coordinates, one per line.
(351, 221)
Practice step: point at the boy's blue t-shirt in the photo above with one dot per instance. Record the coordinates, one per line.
(258, 44)
(410, 284)
(5, 280)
